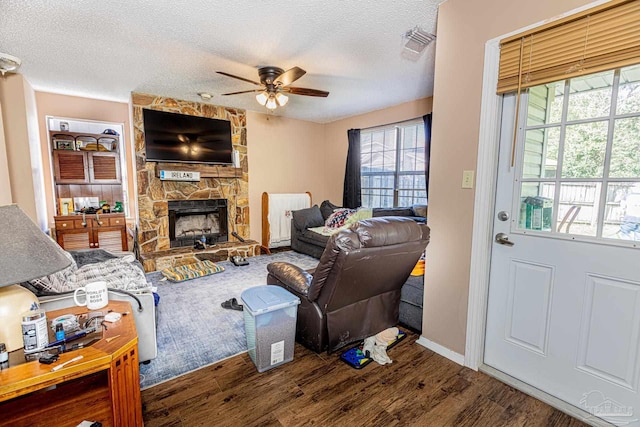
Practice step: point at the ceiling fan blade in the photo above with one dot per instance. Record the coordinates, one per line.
(242, 91)
(304, 91)
(290, 76)
(239, 78)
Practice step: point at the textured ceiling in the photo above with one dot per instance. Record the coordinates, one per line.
(107, 49)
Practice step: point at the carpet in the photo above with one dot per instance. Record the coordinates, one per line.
(193, 330)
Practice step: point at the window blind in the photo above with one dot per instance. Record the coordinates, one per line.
(597, 39)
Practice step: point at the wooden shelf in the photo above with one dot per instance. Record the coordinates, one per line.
(64, 135)
(76, 134)
(206, 171)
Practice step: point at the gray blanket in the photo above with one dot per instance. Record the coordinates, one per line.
(92, 265)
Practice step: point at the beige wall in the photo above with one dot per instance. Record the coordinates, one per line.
(5, 181)
(285, 156)
(73, 107)
(293, 156)
(464, 26)
(336, 137)
(16, 97)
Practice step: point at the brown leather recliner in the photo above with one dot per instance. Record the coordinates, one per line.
(355, 290)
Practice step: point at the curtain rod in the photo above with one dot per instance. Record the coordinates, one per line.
(392, 123)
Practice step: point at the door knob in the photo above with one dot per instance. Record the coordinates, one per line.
(503, 239)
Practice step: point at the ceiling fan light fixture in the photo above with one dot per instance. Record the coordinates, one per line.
(282, 99)
(262, 98)
(271, 104)
(8, 63)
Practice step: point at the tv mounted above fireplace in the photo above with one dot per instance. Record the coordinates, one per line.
(172, 137)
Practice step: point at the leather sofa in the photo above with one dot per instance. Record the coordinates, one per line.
(310, 243)
(355, 291)
(411, 302)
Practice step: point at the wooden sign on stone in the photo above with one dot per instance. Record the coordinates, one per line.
(206, 171)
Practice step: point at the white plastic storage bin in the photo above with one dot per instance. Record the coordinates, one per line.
(270, 325)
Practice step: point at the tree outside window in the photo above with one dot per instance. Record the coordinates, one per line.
(581, 155)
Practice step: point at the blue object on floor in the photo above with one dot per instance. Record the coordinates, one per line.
(355, 358)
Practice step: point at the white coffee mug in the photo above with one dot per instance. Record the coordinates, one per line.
(96, 295)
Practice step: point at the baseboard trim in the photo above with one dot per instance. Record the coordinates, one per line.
(550, 400)
(441, 350)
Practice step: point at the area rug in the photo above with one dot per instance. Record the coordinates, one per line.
(193, 329)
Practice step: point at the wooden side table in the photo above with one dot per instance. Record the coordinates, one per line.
(103, 386)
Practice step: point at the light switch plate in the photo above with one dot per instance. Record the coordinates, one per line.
(467, 179)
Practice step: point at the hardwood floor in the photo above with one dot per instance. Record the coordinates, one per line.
(419, 388)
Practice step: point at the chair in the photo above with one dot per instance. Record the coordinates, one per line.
(355, 290)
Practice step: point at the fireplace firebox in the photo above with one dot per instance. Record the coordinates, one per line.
(189, 220)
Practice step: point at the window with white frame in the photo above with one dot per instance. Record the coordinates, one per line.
(580, 167)
(393, 165)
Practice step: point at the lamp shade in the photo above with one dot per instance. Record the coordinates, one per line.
(262, 98)
(282, 99)
(271, 103)
(27, 253)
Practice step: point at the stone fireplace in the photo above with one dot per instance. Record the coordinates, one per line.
(189, 220)
(160, 244)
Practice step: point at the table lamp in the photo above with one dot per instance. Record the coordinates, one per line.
(27, 254)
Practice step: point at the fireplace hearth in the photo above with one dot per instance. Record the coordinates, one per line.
(189, 220)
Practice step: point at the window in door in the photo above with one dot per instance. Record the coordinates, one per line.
(580, 166)
(393, 165)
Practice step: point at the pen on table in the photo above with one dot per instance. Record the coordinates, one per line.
(62, 365)
(65, 340)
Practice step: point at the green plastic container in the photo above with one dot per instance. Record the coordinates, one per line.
(535, 213)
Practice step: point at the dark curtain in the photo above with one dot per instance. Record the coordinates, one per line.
(351, 195)
(427, 148)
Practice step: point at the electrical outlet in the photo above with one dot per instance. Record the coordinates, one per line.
(467, 179)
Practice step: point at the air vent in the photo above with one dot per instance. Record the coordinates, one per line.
(417, 40)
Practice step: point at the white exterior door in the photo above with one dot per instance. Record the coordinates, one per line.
(564, 297)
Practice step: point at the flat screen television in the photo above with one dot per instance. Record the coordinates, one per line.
(172, 137)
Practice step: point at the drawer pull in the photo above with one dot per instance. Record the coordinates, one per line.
(100, 222)
(64, 225)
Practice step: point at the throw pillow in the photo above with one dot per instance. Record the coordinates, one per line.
(420, 210)
(338, 218)
(327, 209)
(307, 218)
(360, 214)
(191, 271)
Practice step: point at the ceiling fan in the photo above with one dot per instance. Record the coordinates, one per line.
(274, 83)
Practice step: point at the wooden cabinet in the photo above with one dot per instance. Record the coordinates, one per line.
(70, 167)
(105, 231)
(103, 386)
(104, 168)
(86, 167)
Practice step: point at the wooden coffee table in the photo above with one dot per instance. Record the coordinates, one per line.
(102, 386)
